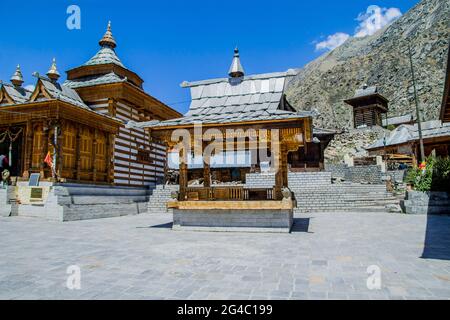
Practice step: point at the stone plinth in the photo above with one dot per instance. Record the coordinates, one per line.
(426, 203)
(233, 216)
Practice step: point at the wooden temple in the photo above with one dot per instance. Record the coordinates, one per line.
(368, 107)
(81, 123)
(241, 113)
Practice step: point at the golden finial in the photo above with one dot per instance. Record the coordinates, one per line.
(17, 78)
(108, 39)
(53, 73)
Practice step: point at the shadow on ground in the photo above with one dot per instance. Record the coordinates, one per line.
(162, 226)
(437, 238)
(301, 225)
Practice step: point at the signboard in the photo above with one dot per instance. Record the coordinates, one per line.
(36, 194)
(34, 180)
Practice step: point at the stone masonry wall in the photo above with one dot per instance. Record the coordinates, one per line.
(360, 174)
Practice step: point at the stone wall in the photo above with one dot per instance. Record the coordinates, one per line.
(233, 220)
(5, 206)
(397, 175)
(259, 180)
(70, 202)
(295, 179)
(417, 202)
(360, 174)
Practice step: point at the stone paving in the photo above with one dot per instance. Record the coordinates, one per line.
(140, 257)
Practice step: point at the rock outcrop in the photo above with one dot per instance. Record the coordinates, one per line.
(381, 59)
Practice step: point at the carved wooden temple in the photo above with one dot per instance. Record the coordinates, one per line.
(368, 107)
(81, 123)
(254, 109)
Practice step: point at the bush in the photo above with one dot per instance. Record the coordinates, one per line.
(435, 177)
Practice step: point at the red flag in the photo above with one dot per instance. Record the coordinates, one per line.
(48, 160)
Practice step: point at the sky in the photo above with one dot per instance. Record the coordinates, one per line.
(168, 42)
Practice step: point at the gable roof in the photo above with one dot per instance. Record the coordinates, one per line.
(408, 133)
(17, 94)
(227, 100)
(58, 92)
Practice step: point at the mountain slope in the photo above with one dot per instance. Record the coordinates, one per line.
(381, 59)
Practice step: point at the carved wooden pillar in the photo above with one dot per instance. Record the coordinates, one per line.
(276, 149)
(206, 170)
(284, 164)
(60, 163)
(183, 174)
(94, 156)
(45, 130)
(78, 154)
(166, 164)
(112, 107)
(28, 149)
(110, 160)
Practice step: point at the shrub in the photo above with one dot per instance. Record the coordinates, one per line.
(435, 177)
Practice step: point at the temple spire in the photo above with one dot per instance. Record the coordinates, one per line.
(17, 78)
(53, 73)
(236, 70)
(108, 39)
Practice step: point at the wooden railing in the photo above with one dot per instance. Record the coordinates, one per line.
(226, 193)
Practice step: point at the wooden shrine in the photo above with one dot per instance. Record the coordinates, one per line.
(368, 107)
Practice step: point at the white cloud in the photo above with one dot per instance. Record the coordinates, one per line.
(374, 19)
(30, 87)
(333, 41)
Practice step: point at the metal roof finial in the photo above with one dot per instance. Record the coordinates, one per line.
(17, 78)
(108, 39)
(236, 69)
(53, 73)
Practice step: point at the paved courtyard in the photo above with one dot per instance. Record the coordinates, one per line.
(140, 257)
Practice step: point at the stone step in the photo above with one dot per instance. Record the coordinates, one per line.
(342, 209)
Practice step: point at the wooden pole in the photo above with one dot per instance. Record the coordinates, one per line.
(183, 174)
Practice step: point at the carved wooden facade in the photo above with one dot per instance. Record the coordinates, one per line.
(83, 141)
(90, 111)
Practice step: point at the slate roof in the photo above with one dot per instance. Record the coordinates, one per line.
(62, 92)
(18, 94)
(409, 133)
(407, 118)
(228, 100)
(94, 80)
(366, 91)
(105, 55)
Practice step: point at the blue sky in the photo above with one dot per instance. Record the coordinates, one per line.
(167, 42)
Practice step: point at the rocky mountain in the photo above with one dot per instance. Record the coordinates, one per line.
(381, 59)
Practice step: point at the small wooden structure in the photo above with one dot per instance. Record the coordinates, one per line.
(368, 106)
(404, 140)
(241, 113)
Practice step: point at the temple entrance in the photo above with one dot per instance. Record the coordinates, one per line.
(11, 139)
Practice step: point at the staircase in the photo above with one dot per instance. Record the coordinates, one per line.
(314, 192)
(158, 200)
